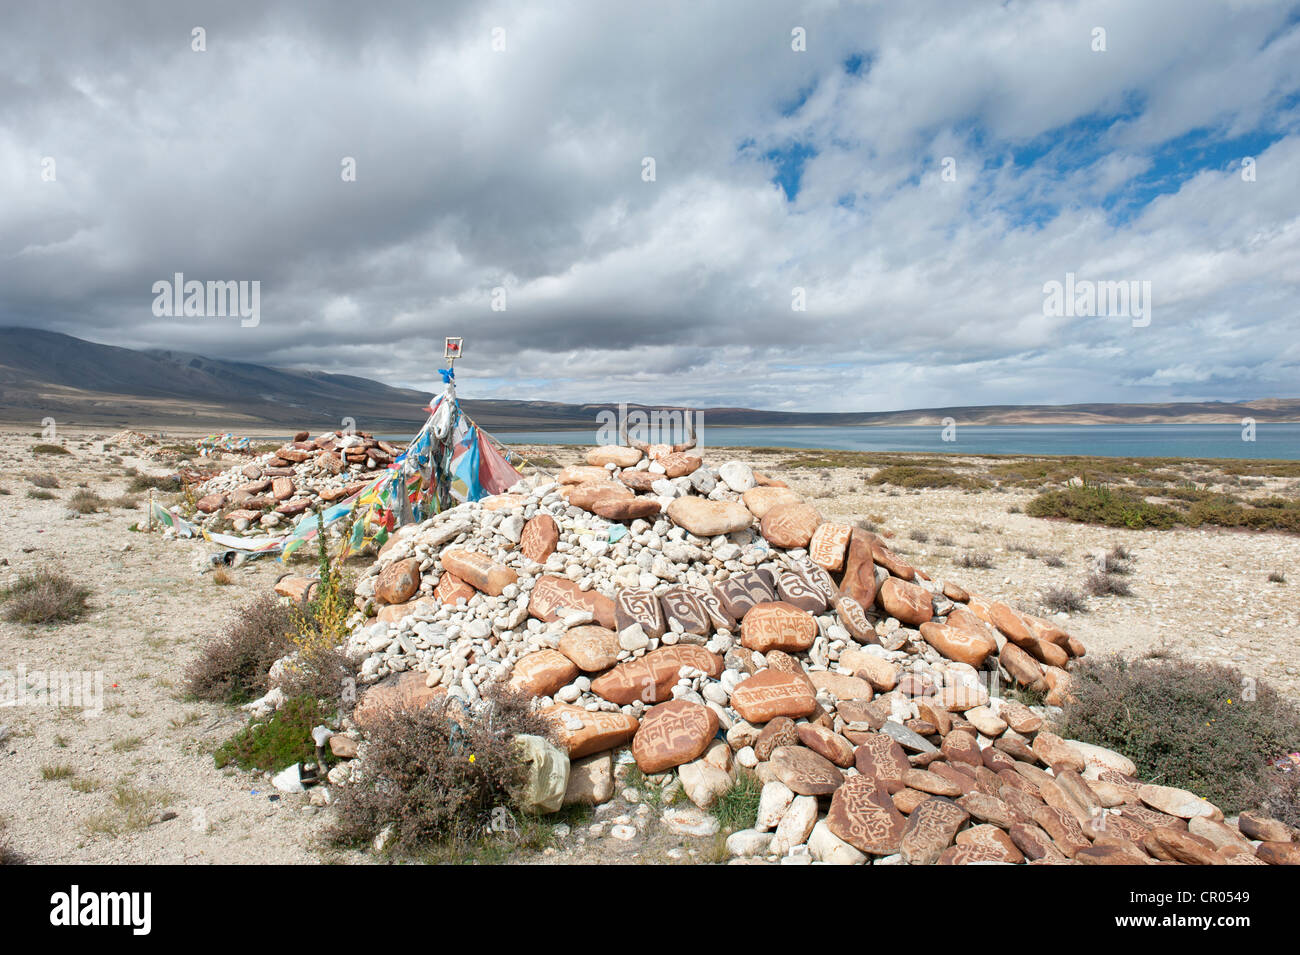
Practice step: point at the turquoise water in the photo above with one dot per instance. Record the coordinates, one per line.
(1110, 440)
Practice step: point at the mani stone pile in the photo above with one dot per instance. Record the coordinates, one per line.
(276, 488)
(713, 622)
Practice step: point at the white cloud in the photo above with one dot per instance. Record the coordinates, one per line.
(522, 169)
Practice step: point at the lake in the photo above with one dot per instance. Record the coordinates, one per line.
(1109, 440)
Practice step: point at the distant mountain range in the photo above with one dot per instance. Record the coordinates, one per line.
(81, 383)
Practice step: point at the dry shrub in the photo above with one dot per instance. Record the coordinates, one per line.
(1103, 584)
(977, 560)
(44, 596)
(321, 673)
(319, 667)
(1185, 724)
(1278, 795)
(233, 668)
(10, 855)
(435, 780)
(1063, 600)
(44, 480)
(86, 502)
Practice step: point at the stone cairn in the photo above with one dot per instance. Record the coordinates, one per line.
(276, 488)
(706, 622)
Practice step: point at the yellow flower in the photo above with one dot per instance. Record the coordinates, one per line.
(472, 757)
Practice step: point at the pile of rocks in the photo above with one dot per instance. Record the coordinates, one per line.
(276, 488)
(706, 622)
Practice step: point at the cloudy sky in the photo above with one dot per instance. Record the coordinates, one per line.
(918, 170)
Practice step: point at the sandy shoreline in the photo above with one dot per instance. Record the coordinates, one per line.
(1199, 592)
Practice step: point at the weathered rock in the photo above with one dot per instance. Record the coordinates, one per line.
(1278, 853)
(863, 815)
(625, 509)
(790, 525)
(1174, 845)
(859, 581)
(553, 596)
(451, 589)
(957, 643)
(1176, 802)
(931, 828)
(827, 743)
(771, 693)
(637, 606)
(583, 732)
(703, 782)
(780, 731)
(651, 678)
(671, 734)
(805, 772)
(540, 537)
(579, 474)
(592, 648)
(839, 686)
(880, 673)
(1256, 825)
(829, 544)
(830, 849)
(684, 606)
(760, 500)
(398, 582)
(614, 454)
(1056, 752)
(591, 780)
(705, 518)
(777, 625)
(1020, 666)
(740, 593)
(542, 673)
(479, 571)
(910, 603)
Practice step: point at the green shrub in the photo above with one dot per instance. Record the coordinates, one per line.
(911, 476)
(435, 780)
(143, 482)
(1097, 504)
(281, 740)
(1184, 724)
(49, 449)
(44, 596)
(233, 668)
